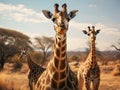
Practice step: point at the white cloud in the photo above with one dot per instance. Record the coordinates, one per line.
(78, 25)
(92, 5)
(76, 43)
(108, 30)
(21, 13)
(108, 35)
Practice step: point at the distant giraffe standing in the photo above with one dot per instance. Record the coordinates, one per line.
(35, 69)
(58, 75)
(90, 71)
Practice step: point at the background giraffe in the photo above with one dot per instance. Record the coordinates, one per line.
(58, 75)
(35, 69)
(90, 71)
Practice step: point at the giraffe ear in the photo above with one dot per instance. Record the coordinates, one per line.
(72, 14)
(47, 14)
(97, 31)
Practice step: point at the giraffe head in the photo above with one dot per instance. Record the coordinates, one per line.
(60, 18)
(23, 53)
(91, 33)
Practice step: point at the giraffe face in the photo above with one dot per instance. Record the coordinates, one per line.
(23, 53)
(91, 33)
(60, 18)
(60, 23)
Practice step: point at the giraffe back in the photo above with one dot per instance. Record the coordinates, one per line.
(35, 70)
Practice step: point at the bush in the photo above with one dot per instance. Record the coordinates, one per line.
(104, 63)
(74, 58)
(17, 66)
(116, 71)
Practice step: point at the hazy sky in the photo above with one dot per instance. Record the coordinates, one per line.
(26, 16)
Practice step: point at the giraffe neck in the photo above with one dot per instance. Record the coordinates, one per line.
(60, 52)
(29, 61)
(92, 50)
(92, 54)
(59, 60)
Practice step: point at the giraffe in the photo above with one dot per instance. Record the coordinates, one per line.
(58, 75)
(35, 70)
(89, 71)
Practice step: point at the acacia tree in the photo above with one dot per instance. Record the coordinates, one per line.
(11, 42)
(117, 47)
(45, 45)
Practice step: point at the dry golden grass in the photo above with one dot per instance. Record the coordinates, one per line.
(5, 84)
(10, 80)
(108, 81)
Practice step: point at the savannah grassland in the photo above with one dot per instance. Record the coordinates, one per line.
(17, 80)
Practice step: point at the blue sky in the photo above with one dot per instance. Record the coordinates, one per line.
(26, 16)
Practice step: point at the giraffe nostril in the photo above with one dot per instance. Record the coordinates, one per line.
(62, 24)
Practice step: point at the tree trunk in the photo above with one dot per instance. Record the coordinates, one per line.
(44, 58)
(2, 59)
(2, 62)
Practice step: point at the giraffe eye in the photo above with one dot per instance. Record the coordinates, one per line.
(68, 19)
(88, 34)
(53, 19)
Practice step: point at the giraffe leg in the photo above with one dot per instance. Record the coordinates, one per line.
(81, 82)
(95, 84)
(87, 84)
(30, 85)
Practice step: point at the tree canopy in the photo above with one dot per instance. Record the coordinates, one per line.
(11, 43)
(45, 45)
(117, 47)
